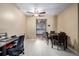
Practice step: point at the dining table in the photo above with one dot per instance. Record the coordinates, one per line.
(55, 38)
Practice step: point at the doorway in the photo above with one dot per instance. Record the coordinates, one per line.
(40, 27)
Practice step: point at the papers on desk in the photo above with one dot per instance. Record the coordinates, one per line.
(4, 40)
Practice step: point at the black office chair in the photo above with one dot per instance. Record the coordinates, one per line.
(18, 49)
(14, 37)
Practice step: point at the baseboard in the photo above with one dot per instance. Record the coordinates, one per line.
(77, 53)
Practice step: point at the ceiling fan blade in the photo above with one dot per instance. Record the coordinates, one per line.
(41, 15)
(29, 12)
(42, 12)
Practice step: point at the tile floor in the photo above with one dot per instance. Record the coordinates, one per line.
(39, 47)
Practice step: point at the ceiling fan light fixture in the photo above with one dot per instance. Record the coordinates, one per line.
(36, 15)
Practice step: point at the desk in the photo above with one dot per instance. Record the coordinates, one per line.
(2, 44)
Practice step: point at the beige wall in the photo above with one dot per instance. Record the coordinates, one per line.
(12, 20)
(67, 21)
(31, 25)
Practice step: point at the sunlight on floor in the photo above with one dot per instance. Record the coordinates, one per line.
(38, 47)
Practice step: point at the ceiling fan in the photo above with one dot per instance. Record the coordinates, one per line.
(36, 13)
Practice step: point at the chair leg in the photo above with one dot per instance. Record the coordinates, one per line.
(47, 41)
(52, 42)
(52, 45)
(58, 44)
(23, 52)
(64, 46)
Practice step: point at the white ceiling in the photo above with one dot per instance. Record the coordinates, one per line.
(50, 8)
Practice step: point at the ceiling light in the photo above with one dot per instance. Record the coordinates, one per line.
(36, 15)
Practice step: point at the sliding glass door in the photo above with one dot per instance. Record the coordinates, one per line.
(40, 26)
